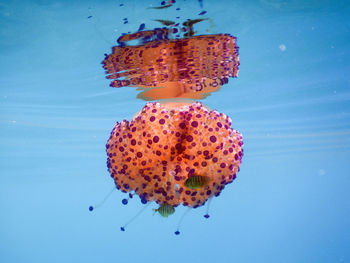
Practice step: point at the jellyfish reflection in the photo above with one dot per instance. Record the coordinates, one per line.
(185, 68)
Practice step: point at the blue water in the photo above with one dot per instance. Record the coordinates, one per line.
(291, 101)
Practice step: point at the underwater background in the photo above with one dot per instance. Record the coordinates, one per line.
(291, 101)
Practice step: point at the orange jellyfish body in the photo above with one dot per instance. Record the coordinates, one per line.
(164, 145)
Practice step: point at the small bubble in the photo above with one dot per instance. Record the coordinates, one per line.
(321, 172)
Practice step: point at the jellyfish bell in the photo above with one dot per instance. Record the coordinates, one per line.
(163, 146)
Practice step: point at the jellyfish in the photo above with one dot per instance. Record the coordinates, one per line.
(157, 153)
(173, 152)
